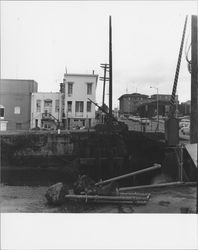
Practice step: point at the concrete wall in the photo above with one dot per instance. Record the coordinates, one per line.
(17, 93)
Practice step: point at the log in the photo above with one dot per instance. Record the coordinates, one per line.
(103, 198)
(169, 184)
(155, 166)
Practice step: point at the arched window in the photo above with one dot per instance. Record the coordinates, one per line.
(2, 112)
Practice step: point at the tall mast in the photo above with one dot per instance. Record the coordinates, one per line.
(172, 101)
(110, 67)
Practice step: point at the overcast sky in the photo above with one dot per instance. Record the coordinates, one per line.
(39, 39)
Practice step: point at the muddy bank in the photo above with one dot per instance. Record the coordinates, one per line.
(32, 200)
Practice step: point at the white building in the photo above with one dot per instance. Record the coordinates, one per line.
(46, 110)
(78, 110)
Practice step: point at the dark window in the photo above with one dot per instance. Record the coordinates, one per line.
(79, 106)
(38, 106)
(56, 105)
(88, 106)
(69, 106)
(70, 88)
(18, 126)
(89, 88)
(2, 112)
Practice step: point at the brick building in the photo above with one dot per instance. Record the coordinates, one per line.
(130, 102)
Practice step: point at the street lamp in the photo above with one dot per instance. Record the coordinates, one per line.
(157, 107)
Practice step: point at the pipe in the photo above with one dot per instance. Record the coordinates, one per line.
(156, 166)
(104, 198)
(169, 184)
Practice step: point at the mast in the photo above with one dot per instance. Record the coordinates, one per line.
(110, 67)
(172, 101)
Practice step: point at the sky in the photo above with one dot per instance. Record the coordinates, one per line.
(40, 39)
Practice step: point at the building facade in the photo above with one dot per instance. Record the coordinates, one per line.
(185, 108)
(130, 102)
(149, 109)
(78, 111)
(46, 110)
(15, 103)
(163, 97)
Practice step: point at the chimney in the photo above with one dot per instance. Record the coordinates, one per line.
(93, 72)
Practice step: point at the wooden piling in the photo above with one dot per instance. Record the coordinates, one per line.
(194, 81)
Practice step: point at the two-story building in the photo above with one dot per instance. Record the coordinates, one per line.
(164, 97)
(15, 103)
(46, 110)
(77, 89)
(130, 102)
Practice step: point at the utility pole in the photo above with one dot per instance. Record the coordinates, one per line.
(110, 67)
(194, 81)
(194, 88)
(104, 66)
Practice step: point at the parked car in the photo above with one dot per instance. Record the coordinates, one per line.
(144, 121)
(184, 123)
(185, 130)
(122, 117)
(135, 118)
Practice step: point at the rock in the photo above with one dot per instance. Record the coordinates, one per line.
(56, 193)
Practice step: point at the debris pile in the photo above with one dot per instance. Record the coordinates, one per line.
(85, 190)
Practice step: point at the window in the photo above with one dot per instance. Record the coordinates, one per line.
(1, 112)
(79, 106)
(70, 88)
(69, 106)
(17, 110)
(48, 103)
(57, 105)
(18, 126)
(38, 106)
(48, 106)
(88, 106)
(89, 88)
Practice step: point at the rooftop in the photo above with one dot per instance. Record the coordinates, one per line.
(132, 95)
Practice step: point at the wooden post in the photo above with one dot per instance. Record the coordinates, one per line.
(181, 163)
(110, 67)
(194, 81)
